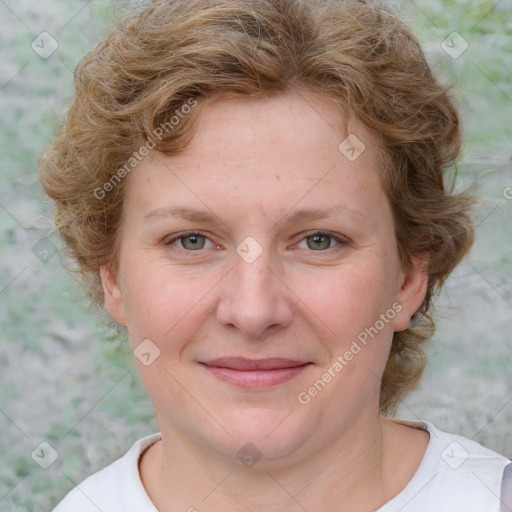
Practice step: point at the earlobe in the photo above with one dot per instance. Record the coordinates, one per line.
(412, 292)
(113, 297)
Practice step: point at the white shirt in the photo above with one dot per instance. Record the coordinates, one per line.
(455, 475)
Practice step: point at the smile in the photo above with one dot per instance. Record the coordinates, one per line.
(255, 373)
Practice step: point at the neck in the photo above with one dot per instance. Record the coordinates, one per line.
(353, 471)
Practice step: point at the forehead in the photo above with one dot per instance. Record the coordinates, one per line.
(292, 144)
(244, 127)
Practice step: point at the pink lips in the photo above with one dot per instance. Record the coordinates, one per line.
(255, 373)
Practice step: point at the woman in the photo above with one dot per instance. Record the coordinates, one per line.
(256, 191)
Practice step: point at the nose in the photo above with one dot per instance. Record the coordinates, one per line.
(254, 298)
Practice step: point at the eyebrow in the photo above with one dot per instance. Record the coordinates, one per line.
(184, 213)
(210, 218)
(318, 213)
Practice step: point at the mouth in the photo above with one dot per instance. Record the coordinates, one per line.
(255, 373)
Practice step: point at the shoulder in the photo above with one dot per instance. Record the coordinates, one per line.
(115, 488)
(456, 475)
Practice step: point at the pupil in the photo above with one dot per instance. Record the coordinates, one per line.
(192, 242)
(319, 241)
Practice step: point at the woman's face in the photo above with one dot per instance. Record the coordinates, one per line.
(270, 324)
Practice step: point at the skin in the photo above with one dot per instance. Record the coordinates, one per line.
(253, 163)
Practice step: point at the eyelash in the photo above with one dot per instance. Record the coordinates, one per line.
(341, 240)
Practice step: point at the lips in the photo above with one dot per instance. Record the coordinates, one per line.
(243, 364)
(255, 373)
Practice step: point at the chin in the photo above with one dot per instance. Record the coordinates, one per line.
(269, 435)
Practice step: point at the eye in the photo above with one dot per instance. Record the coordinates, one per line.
(192, 241)
(322, 240)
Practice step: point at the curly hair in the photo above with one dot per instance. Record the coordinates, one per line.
(358, 53)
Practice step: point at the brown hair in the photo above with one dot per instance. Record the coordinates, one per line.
(356, 52)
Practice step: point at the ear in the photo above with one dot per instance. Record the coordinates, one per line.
(113, 298)
(413, 288)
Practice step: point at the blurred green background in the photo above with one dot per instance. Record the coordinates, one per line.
(65, 381)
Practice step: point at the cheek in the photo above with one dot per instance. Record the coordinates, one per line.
(162, 303)
(168, 308)
(349, 298)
